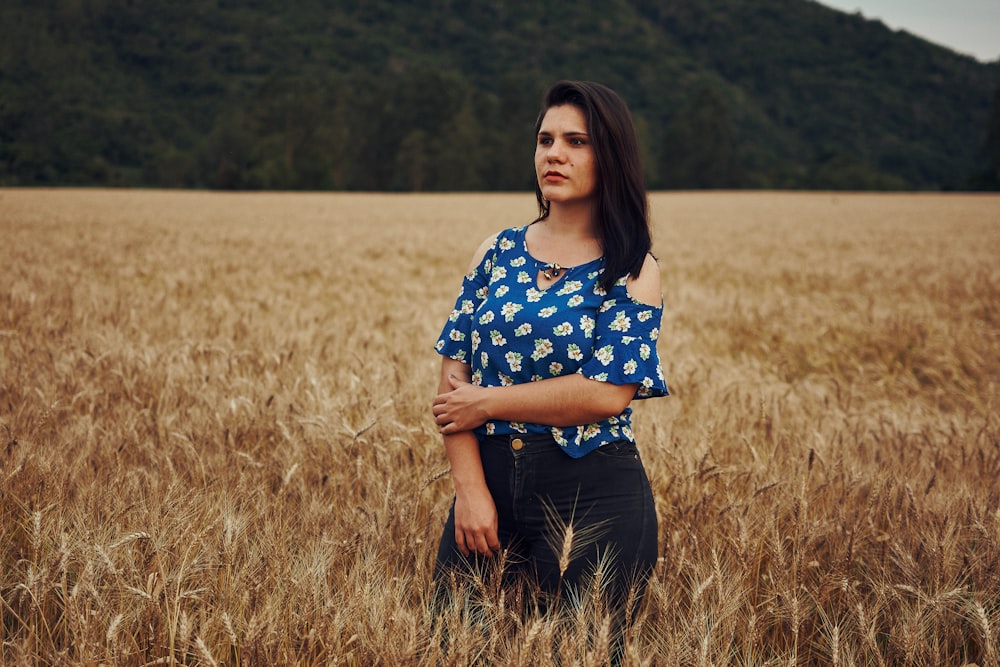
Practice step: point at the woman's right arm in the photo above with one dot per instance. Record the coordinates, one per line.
(475, 511)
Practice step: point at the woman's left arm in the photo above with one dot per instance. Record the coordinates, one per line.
(568, 400)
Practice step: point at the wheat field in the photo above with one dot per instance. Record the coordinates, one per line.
(216, 446)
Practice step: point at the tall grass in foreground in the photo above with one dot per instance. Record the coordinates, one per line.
(216, 448)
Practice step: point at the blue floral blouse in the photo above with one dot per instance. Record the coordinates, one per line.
(510, 332)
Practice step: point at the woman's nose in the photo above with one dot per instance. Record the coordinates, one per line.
(555, 153)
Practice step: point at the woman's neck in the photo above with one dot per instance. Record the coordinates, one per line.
(577, 220)
(567, 236)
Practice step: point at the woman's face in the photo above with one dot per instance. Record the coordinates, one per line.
(564, 157)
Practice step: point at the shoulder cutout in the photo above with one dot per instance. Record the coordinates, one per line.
(484, 248)
(646, 286)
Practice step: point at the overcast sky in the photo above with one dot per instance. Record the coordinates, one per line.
(966, 26)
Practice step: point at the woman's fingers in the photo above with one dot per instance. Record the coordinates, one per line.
(484, 544)
(460, 541)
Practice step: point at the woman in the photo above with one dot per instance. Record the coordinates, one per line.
(553, 335)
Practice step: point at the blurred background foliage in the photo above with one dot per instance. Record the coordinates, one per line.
(394, 95)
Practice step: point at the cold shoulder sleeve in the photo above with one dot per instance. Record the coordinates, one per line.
(455, 340)
(625, 335)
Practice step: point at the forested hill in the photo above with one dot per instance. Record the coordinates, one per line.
(442, 95)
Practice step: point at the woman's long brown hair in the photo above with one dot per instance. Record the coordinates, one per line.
(622, 205)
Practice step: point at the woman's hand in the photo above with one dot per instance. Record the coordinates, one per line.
(461, 409)
(476, 522)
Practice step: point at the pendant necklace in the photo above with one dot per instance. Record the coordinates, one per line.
(551, 270)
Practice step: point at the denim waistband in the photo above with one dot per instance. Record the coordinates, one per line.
(527, 438)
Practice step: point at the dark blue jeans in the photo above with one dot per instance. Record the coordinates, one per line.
(539, 491)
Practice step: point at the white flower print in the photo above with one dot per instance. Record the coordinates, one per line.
(627, 432)
(654, 333)
(569, 287)
(509, 310)
(543, 348)
(439, 345)
(509, 339)
(605, 355)
(622, 322)
(514, 360)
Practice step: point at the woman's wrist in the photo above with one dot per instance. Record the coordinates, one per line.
(487, 406)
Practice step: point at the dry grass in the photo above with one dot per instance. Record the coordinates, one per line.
(216, 448)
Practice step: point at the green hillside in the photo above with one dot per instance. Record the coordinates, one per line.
(441, 95)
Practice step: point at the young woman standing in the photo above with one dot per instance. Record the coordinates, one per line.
(552, 336)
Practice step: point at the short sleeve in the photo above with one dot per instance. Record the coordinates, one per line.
(625, 336)
(455, 340)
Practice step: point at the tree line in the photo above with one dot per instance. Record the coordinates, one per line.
(436, 95)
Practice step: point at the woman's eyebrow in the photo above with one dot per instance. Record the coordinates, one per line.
(571, 133)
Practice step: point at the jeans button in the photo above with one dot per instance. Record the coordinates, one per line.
(517, 444)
